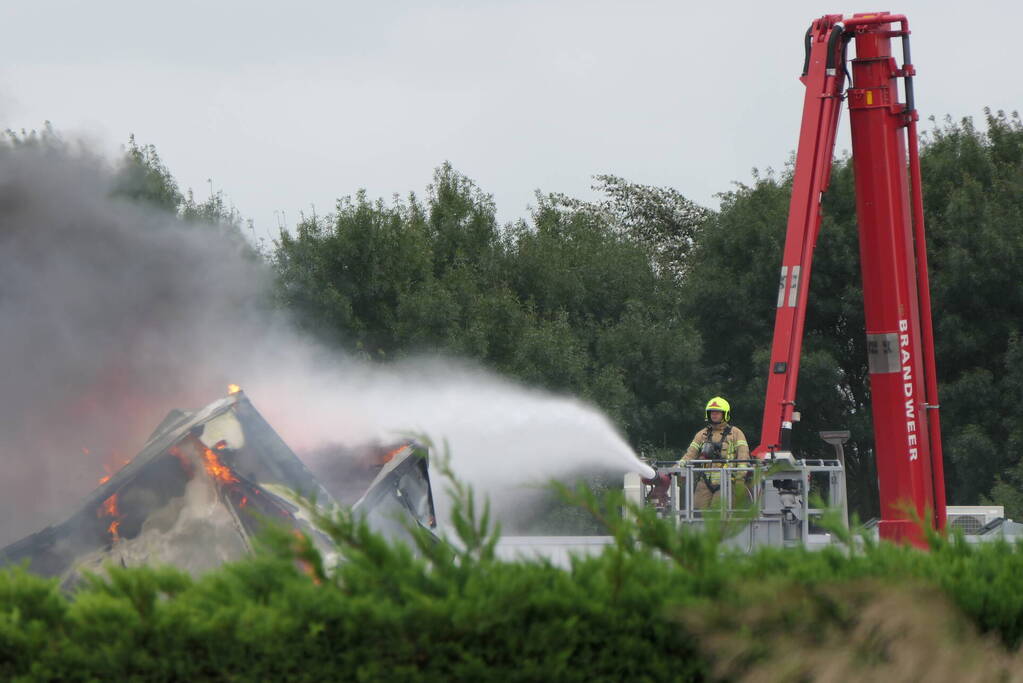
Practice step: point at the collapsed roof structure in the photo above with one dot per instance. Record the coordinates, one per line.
(205, 483)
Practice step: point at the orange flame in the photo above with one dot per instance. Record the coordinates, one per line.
(216, 469)
(109, 509)
(110, 470)
(390, 456)
(233, 389)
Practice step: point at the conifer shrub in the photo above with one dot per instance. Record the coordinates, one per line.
(657, 604)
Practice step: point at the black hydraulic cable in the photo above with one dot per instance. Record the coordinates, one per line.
(806, 44)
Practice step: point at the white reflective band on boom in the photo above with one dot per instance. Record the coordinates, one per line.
(794, 286)
(781, 286)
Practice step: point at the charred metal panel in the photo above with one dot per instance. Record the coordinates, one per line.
(202, 486)
(401, 494)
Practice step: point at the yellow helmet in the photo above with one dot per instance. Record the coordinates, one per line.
(718, 403)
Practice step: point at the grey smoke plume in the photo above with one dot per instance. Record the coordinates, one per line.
(112, 314)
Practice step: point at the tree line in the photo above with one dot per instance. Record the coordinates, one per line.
(647, 304)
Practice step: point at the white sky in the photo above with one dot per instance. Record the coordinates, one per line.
(288, 105)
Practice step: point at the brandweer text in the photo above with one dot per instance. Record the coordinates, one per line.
(908, 389)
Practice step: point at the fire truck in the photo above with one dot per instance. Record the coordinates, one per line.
(897, 306)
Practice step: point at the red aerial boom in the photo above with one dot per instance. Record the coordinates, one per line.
(893, 256)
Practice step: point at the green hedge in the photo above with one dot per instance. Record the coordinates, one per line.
(656, 605)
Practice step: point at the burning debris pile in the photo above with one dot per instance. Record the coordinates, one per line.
(114, 311)
(205, 483)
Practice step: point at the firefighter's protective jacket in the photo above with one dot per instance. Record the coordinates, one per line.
(734, 447)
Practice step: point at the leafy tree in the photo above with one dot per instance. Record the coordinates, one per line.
(345, 273)
(659, 218)
(600, 286)
(461, 224)
(46, 138)
(973, 190)
(554, 302)
(731, 285)
(144, 177)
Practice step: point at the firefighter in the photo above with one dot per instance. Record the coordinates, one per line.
(719, 440)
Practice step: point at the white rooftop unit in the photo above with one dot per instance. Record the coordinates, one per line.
(972, 518)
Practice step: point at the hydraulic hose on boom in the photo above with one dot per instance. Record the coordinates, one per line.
(893, 259)
(823, 76)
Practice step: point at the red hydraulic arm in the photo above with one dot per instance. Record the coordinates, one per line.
(823, 76)
(893, 256)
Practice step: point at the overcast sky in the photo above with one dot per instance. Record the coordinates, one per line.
(288, 105)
